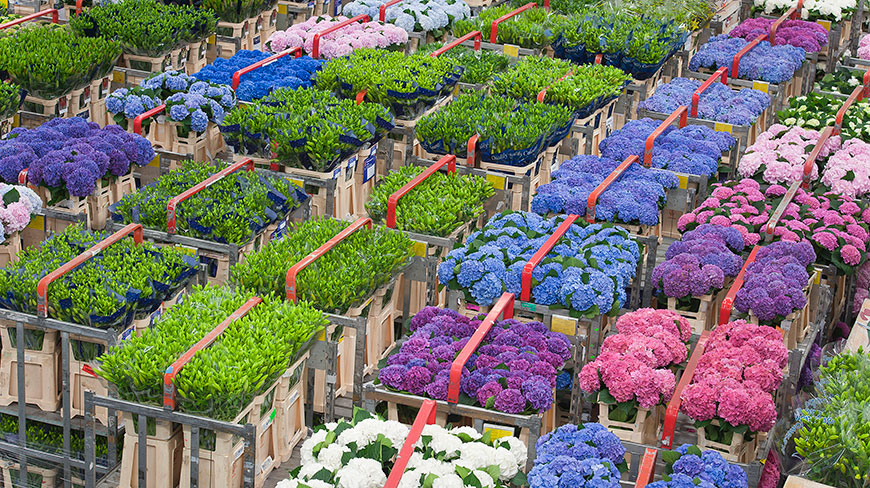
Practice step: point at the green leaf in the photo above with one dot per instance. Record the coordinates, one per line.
(519, 479)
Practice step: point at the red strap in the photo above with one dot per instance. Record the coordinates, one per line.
(504, 304)
(173, 370)
(79, 7)
(52, 11)
(867, 83)
(674, 405)
(137, 122)
(361, 96)
(735, 66)
(475, 34)
(42, 286)
(647, 468)
(814, 155)
(770, 226)
(320, 251)
(263, 62)
(593, 197)
(494, 28)
(680, 112)
(472, 150)
(449, 160)
(22, 177)
(721, 73)
(383, 9)
(857, 95)
(789, 14)
(599, 58)
(171, 225)
(315, 50)
(426, 416)
(528, 268)
(728, 301)
(543, 93)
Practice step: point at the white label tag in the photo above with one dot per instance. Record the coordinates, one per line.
(85, 115)
(369, 167)
(294, 397)
(239, 452)
(336, 173)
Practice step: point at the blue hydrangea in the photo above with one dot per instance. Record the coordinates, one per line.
(285, 72)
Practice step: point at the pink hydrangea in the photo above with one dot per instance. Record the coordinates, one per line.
(649, 319)
(337, 43)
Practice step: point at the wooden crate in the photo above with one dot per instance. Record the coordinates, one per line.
(346, 188)
(364, 175)
(290, 406)
(56, 107)
(48, 477)
(533, 170)
(646, 428)
(42, 379)
(196, 57)
(80, 102)
(100, 89)
(736, 452)
(343, 370)
(50, 338)
(157, 64)
(703, 317)
(121, 187)
(228, 33)
(10, 248)
(6, 125)
(164, 455)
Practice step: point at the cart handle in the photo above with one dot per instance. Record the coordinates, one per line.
(426, 416)
(52, 11)
(361, 96)
(475, 34)
(504, 304)
(137, 122)
(593, 197)
(647, 468)
(393, 201)
(320, 251)
(735, 66)
(22, 176)
(529, 267)
(383, 9)
(472, 149)
(172, 204)
(42, 286)
(682, 113)
(770, 226)
(494, 29)
(722, 74)
(814, 154)
(728, 301)
(858, 94)
(599, 58)
(315, 49)
(791, 13)
(237, 76)
(172, 371)
(674, 405)
(79, 5)
(543, 93)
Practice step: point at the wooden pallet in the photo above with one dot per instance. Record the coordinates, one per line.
(646, 428)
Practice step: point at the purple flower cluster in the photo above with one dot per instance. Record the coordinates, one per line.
(72, 154)
(697, 264)
(810, 36)
(513, 370)
(709, 468)
(635, 197)
(694, 149)
(718, 102)
(774, 283)
(773, 64)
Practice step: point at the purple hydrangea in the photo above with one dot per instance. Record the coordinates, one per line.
(773, 64)
(774, 284)
(718, 102)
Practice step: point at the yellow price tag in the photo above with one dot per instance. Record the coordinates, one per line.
(36, 223)
(456, 90)
(322, 335)
(564, 325)
(825, 23)
(16, 121)
(817, 278)
(4, 5)
(211, 39)
(282, 9)
(155, 162)
(761, 86)
(419, 249)
(117, 77)
(684, 181)
(498, 182)
(299, 183)
(512, 50)
(723, 127)
(497, 431)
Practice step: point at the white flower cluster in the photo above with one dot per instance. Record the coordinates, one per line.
(453, 456)
(832, 9)
(413, 15)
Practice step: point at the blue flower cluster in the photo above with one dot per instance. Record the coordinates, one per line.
(196, 109)
(587, 271)
(130, 103)
(702, 470)
(773, 64)
(286, 72)
(634, 198)
(577, 457)
(718, 102)
(694, 149)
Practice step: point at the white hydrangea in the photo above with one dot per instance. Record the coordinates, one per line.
(516, 447)
(410, 479)
(309, 470)
(361, 473)
(308, 446)
(448, 481)
(363, 433)
(506, 462)
(485, 479)
(470, 431)
(434, 466)
(330, 456)
(318, 484)
(474, 455)
(287, 484)
(442, 441)
(396, 432)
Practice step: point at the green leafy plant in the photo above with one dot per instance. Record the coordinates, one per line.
(49, 61)
(222, 379)
(533, 28)
(816, 111)
(440, 204)
(10, 99)
(145, 27)
(842, 81)
(529, 76)
(479, 66)
(120, 283)
(231, 210)
(339, 279)
(49, 438)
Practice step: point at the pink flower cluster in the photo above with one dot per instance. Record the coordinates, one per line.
(801, 33)
(633, 363)
(337, 43)
(779, 154)
(864, 47)
(740, 368)
(847, 172)
(836, 225)
(16, 215)
(862, 286)
(738, 204)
